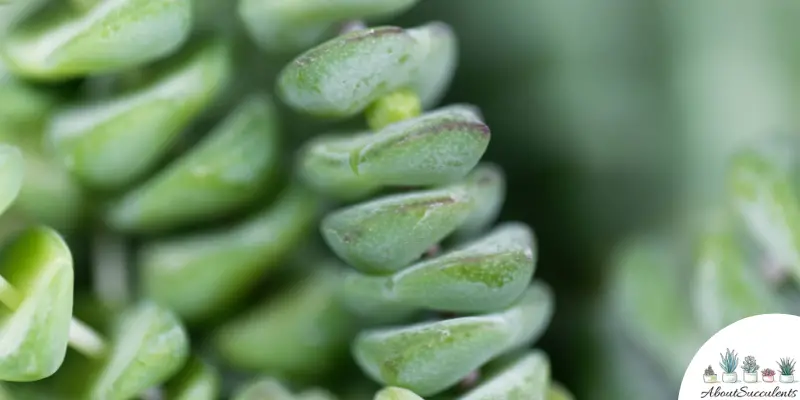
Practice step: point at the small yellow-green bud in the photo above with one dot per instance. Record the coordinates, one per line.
(398, 106)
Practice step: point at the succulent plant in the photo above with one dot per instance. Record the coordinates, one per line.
(767, 372)
(749, 365)
(786, 366)
(729, 361)
(709, 371)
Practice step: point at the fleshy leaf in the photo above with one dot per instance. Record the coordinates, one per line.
(38, 266)
(11, 174)
(200, 274)
(485, 275)
(108, 143)
(489, 188)
(557, 391)
(223, 172)
(301, 332)
(436, 148)
(197, 381)
(292, 26)
(396, 393)
(23, 103)
(436, 73)
(60, 41)
(430, 357)
(341, 77)
(527, 378)
(266, 388)
(149, 345)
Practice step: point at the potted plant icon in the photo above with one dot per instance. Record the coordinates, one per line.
(728, 363)
(709, 376)
(786, 366)
(767, 375)
(750, 369)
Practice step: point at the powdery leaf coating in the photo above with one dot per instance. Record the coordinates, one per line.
(33, 337)
(527, 378)
(223, 172)
(149, 345)
(197, 381)
(110, 142)
(396, 393)
(341, 77)
(763, 193)
(298, 333)
(490, 194)
(279, 26)
(484, 275)
(436, 73)
(61, 41)
(200, 274)
(431, 357)
(439, 147)
(11, 174)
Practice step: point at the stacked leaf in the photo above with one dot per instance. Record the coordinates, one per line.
(396, 77)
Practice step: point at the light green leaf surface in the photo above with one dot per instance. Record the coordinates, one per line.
(62, 41)
(485, 275)
(430, 357)
(34, 335)
(11, 174)
(200, 274)
(197, 380)
(527, 378)
(222, 173)
(557, 391)
(149, 345)
(23, 103)
(489, 188)
(280, 26)
(396, 393)
(436, 73)
(266, 388)
(436, 148)
(110, 142)
(303, 331)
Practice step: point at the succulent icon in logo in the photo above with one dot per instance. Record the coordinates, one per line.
(786, 366)
(709, 376)
(768, 375)
(750, 369)
(729, 361)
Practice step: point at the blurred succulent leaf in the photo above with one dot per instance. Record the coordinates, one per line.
(302, 332)
(726, 287)
(396, 393)
(297, 25)
(485, 275)
(386, 234)
(197, 380)
(430, 357)
(763, 194)
(223, 172)
(34, 334)
(108, 143)
(200, 274)
(488, 184)
(11, 175)
(525, 378)
(437, 72)
(265, 388)
(149, 345)
(439, 147)
(342, 76)
(24, 104)
(62, 40)
(557, 391)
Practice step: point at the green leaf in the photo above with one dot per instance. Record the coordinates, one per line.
(61, 41)
(527, 378)
(24, 104)
(197, 380)
(726, 288)
(430, 357)
(200, 274)
(11, 174)
(301, 332)
(222, 173)
(489, 189)
(293, 26)
(386, 234)
(436, 73)
(436, 148)
(557, 391)
(484, 275)
(266, 388)
(149, 345)
(108, 143)
(341, 77)
(396, 393)
(38, 266)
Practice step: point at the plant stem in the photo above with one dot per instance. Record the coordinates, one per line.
(81, 337)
